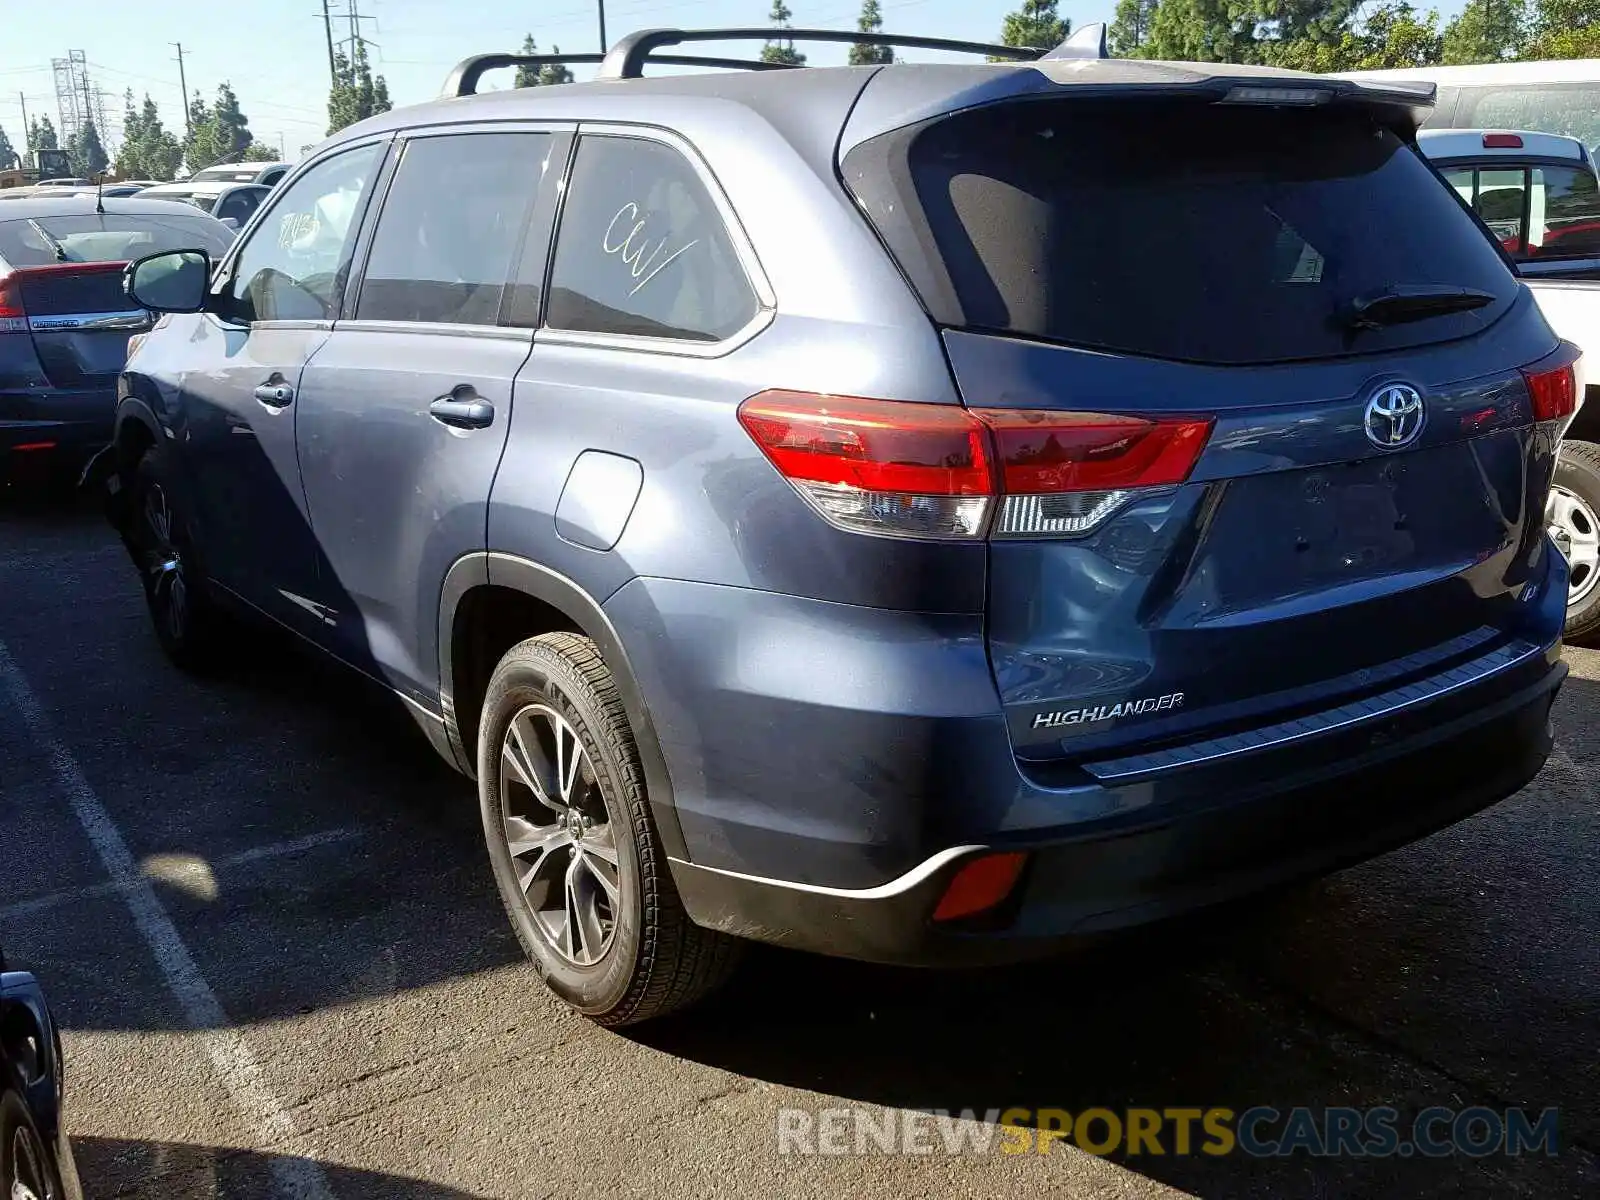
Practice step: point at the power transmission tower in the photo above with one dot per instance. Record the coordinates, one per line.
(357, 43)
(70, 93)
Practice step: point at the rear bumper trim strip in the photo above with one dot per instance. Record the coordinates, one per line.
(1385, 704)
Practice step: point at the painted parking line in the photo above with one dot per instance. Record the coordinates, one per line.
(241, 1075)
(37, 904)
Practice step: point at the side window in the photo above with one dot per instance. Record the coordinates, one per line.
(1564, 213)
(272, 177)
(294, 264)
(642, 249)
(451, 224)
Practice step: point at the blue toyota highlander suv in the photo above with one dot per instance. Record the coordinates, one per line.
(919, 513)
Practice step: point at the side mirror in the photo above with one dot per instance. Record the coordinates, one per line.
(173, 282)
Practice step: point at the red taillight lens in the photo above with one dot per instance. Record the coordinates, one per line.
(13, 316)
(1041, 452)
(933, 470)
(878, 445)
(1553, 384)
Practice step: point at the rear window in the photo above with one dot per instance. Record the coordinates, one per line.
(115, 237)
(1571, 109)
(1178, 230)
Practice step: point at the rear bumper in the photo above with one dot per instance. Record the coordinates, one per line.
(834, 767)
(1074, 889)
(69, 426)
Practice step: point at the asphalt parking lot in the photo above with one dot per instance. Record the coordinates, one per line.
(260, 909)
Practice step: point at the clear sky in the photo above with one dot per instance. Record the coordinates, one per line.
(274, 53)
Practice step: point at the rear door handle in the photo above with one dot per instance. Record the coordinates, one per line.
(275, 395)
(462, 409)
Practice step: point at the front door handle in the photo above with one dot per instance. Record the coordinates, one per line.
(462, 409)
(275, 394)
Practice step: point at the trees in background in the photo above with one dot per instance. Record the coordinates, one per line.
(149, 150)
(1037, 23)
(1352, 35)
(545, 76)
(8, 152)
(870, 21)
(779, 50)
(356, 93)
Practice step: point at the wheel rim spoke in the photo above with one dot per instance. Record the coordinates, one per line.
(1576, 529)
(557, 831)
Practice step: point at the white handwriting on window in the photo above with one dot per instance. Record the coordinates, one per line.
(634, 246)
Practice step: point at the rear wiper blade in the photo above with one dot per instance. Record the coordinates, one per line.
(1403, 302)
(56, 247)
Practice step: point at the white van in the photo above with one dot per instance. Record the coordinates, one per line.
(1553, 96)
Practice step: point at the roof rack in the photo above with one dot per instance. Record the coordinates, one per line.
(627, 59)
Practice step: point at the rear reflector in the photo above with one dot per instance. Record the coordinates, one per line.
(933, 470)
(979, 885)
(1553, 384)
(33, 446)
(1502, 141)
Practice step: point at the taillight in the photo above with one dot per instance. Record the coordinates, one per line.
(1502, 141)
(1553, 384)
(936, 470)
(13, 316)
(1065, 473)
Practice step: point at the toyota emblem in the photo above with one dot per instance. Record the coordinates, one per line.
(1395, 416)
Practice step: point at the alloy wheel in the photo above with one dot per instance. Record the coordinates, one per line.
(558, 832)
(1575, 529)
(28, 1180)
(169, 589)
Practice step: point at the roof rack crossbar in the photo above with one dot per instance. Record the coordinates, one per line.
(463, 80)
(627, 58)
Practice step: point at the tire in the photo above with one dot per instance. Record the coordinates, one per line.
(26, 1169)
(631, 954)
(1573, 517)
(186, 620)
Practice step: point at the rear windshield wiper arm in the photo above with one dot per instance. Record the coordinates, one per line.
(56, 247)
(1404, 302)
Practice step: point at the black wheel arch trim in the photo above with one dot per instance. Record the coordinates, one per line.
(482, 568)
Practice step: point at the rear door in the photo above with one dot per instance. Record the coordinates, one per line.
(1256, 396)
(403, 414)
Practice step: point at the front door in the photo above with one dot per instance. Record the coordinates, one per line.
(403, 414)
(273, 310)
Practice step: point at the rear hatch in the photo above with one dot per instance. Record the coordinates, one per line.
(61, 287)
(1266, 384)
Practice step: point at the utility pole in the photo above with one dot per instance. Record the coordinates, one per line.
(188, 125)
(27, 129)
(327, 29)
(603, 46)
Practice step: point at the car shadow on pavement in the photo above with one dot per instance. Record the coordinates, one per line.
(116, 1169)
(1414, 980)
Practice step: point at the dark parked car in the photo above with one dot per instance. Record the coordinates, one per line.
(892, 512)
(65, 319)
(35, 1156)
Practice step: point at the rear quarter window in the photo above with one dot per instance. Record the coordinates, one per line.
(642, 248)
(1178, 230)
